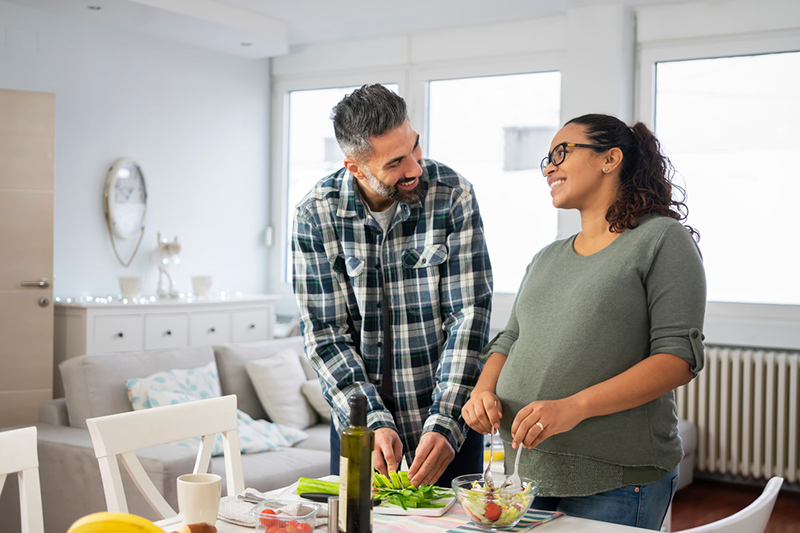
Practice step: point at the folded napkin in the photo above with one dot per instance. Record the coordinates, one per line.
(240, 512)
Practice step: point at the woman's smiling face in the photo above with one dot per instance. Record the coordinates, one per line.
(579, 180)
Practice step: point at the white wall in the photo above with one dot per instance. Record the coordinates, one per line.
(196, 121)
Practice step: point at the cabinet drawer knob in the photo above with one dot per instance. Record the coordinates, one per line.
(252, 326)
(169, 332)
(120, 335)
(212, 330)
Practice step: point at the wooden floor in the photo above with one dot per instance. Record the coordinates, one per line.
(706, 501)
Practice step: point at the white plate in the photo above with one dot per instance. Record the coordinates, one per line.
(390, 508)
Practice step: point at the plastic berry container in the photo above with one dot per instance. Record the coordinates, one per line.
(285, 516)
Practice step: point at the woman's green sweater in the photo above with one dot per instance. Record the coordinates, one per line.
(580, 320)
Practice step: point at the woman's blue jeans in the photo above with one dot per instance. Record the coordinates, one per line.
(643, 506)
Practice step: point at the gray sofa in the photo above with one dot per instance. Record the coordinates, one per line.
(95, 386)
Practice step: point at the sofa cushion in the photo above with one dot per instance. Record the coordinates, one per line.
(319, 438)
(94, 385)
(273, 470)
(197, 383)
(312, 390)
(231, 361)
(277, 380)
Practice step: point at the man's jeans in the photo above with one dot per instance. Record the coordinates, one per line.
(643, 506)
(468, 460)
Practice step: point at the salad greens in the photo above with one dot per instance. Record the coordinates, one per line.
(493, 506)
(395, 488)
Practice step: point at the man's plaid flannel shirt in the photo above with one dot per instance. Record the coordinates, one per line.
(436, 267)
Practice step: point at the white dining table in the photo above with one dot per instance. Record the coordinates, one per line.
(174, 524)
(564, 524)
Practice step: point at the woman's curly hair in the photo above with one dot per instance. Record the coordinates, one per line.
(646, 185)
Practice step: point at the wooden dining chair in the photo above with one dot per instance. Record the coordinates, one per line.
(120, 435)
(19, 457)
(751, 519)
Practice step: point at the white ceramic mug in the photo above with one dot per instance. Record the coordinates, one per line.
(198, 498)
(131, 287)
(201, 285)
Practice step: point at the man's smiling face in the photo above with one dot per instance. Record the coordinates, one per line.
(393, 169)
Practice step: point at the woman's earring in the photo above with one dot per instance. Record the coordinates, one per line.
(605, 169)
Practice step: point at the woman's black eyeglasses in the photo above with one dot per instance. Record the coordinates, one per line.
(559, 153)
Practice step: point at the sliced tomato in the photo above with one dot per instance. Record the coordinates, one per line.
(492, 511)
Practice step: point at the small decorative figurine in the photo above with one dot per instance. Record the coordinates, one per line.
(166, 257)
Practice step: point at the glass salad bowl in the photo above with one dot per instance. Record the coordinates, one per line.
(494, 509)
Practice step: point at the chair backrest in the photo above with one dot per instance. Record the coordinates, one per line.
(120, 435)
(19, 456)
(751, 519)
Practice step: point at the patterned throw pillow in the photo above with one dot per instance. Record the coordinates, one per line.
(174, 386)
(187, 385)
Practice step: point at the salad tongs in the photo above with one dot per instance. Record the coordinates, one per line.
(513, 481)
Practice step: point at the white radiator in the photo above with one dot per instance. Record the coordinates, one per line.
(745, 406)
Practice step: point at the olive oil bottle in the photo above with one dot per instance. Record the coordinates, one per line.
(356, 471)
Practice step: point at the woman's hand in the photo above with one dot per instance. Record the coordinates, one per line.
(483, 411)
(643, 382)
(539, 420)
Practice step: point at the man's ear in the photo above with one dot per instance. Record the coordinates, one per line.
(353, 168)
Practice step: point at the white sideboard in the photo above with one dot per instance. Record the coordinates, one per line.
(108, 328)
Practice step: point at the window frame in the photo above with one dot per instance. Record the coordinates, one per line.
(741, 324)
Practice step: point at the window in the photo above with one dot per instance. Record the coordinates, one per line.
(494, 131)
(729, 125)
(313, 152)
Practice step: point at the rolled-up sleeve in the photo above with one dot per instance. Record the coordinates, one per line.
(676, 294)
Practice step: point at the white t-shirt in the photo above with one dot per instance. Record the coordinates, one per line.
(384, 218)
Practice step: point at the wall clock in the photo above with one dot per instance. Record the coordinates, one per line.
(125, 202)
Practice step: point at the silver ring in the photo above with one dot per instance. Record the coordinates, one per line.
(541, 427)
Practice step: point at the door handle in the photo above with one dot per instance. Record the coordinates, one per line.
(42, 283)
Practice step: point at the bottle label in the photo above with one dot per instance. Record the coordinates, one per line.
(343, 464)
(372, 475)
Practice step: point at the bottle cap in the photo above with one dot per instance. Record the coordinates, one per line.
(358, 400)
(358, 410)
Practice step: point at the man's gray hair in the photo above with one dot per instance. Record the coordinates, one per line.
(367, 112)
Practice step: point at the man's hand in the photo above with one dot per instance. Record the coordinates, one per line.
(388, 451)
(434, 453)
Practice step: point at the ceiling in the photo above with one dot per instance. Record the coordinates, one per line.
(266, 28)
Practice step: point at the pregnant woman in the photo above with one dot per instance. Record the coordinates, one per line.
(605, 325)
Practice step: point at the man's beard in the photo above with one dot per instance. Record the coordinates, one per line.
(410, 197)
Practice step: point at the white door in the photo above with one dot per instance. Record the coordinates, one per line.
(27, 146)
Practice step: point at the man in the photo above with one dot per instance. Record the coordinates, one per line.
(394, 286)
